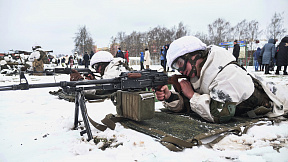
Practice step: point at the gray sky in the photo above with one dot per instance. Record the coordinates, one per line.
(53, 23)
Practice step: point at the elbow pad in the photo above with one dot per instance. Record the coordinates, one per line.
(222, 112)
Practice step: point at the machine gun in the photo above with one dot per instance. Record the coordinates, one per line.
(83, 71)
(127, 81)
(50, 71)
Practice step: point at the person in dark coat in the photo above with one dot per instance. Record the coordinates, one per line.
(268, 53)
(256, 55)
(236, 50)
(63, 61)
(86, 59)
(120, 53)
(71, 61)
(141, 60)
(282, 56)
(166, 47)
(162, 59)
(91, 54)
(260, 62)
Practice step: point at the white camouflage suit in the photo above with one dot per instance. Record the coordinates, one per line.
(114, 68)
(232, 84)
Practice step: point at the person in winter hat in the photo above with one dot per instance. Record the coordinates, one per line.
(120, 53)
(141, 60)
(75, 58)
(147, 59)
(236, 50)
(109, 67)
(217, 88)
(166, 47)
(162, 59)
(105, 64)
(282, 56)
(86, 59)
(127, 57)
(256, 55)
(268, 53)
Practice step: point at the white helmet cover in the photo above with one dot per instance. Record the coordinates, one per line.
(3, 62)
(182, 46)
(101, 56)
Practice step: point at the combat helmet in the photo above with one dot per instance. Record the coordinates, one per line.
(181, 51)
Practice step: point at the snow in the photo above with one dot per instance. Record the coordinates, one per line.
(36, 126)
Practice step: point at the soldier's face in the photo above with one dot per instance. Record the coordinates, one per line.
(98, 70)
(189, 67)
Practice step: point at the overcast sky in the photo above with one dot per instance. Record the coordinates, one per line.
(53, 23)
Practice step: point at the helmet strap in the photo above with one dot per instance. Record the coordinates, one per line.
(193, 64)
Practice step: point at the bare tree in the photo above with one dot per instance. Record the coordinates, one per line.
(276, 28)
(83, 41)
(113, 45)
(241, 30)
(136, 43)
(181, 31)
(218, 31)
(203, 37)
(121, 39)
(133, 43)
(253, 31)
(156, 38)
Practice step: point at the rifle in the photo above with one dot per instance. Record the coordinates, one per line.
(45, 72)
(127, 81)
(83, 71)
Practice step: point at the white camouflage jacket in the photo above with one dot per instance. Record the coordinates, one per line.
(232, 84)
(114, 68)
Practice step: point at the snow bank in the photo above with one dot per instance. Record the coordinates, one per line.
(36, 126)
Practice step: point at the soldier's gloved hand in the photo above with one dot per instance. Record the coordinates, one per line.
(75, 75)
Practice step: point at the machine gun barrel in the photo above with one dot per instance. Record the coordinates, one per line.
(135, 80)
(26, 86)
(69, 70)
(83, 71)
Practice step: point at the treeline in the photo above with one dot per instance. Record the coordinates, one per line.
(154, 39)
(219, 31)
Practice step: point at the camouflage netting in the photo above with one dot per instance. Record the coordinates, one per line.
(189, 129)
(184, 127)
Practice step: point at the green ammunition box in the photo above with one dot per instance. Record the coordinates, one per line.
(137, 106)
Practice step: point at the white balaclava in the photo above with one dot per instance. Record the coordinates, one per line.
(101, 56)
(182, 46)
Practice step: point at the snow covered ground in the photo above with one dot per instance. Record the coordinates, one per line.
(36, 126)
